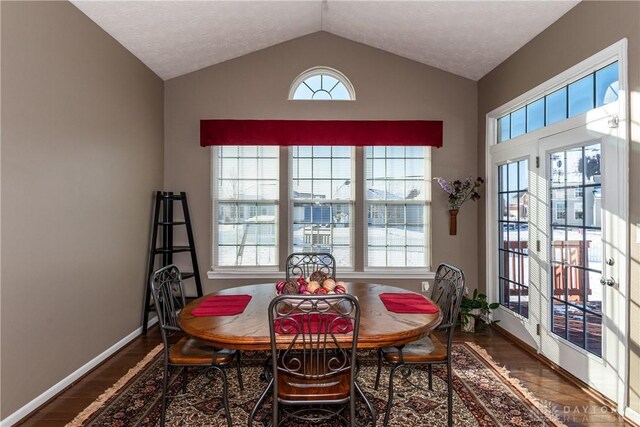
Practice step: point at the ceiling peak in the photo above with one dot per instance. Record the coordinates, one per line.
(467, 38)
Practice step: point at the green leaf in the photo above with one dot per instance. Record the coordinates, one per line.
(494, 305)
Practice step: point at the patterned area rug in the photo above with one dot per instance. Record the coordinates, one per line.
(485, 395)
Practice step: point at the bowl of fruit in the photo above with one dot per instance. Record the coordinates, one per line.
(318, 283)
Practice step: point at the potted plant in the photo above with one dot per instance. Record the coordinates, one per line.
(475, 312)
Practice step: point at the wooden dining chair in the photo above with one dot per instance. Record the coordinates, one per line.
(302, 264)
(314, 374)
(447, 293)
(168, 296)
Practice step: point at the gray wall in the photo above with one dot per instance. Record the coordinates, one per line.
(388, 87)
(584, 30)
(82, 134)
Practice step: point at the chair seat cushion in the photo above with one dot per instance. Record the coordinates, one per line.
(425, 350)
(192, 351)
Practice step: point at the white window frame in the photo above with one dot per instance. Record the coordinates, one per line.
(514, 147)
(315, 71)
(367, 273)
(215, 270)
(417, 272)
(513, 226)
(351, 202)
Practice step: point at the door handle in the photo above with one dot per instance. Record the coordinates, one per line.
(608, 281)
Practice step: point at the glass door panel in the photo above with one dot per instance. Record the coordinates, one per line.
(513, 236)
(575, 246)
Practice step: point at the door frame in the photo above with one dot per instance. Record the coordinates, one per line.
(615, 52)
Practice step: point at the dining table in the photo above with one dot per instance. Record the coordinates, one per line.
(249, 329)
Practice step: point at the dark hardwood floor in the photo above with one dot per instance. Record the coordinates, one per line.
(574, 406)
(64, 407)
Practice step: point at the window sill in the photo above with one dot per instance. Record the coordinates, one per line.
(342, 275)
(244, 274)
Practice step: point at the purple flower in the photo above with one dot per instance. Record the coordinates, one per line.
(444, 184)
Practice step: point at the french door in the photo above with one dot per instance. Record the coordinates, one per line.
(583, 233)
(514, 236)
(561, 245)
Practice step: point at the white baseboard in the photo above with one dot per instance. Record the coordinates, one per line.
(632, 415)
(71, 378)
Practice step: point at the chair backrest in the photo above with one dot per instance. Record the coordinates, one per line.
(168, 297)
(302, 264)
(448, 288)
(314, 325)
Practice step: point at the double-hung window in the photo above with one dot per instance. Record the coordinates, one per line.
(396, 204)
(368, 206)
(246, 194)
(322, 200)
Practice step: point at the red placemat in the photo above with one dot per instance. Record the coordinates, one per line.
(313, 323)
(222, 305)
(408, 303)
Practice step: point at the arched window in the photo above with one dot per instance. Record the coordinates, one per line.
(322, 83)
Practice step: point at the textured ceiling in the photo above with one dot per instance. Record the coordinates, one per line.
(468, 38)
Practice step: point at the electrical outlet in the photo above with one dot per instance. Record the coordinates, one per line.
(425, 286)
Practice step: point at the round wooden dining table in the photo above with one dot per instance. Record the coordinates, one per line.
(249, 330)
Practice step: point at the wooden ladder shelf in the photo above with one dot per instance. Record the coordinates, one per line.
(163, 219)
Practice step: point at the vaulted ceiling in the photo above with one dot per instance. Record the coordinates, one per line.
(467, 38)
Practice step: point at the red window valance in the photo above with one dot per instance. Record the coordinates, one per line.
(321, 132)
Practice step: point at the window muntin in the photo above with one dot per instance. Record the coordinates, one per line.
(513, 238)
(322, 83)
(396, 206)
(323, 199)
(323, 184)
(591, 91)
(321, 87)
(576, 245)
(246, 189)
